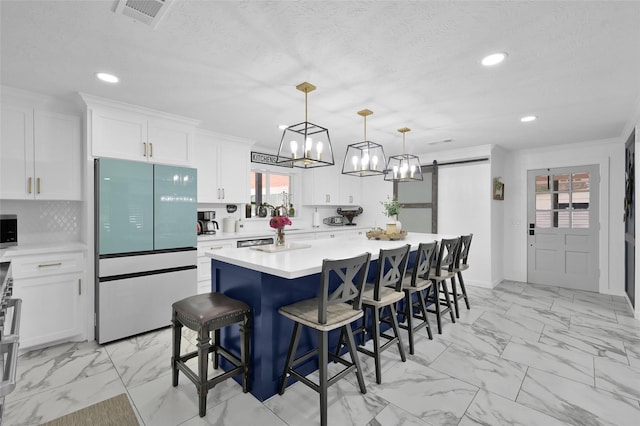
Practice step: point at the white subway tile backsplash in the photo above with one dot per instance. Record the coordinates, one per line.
(45, 221)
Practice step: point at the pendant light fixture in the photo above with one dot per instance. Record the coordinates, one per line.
(305, 145)
(364, 158)
(405, 167)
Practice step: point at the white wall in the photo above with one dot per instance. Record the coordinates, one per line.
(498, 156)
(609, 155)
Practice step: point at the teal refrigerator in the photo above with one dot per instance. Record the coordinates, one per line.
(146, 254)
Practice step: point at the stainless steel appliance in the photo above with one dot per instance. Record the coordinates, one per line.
(209, 225)
(255, 242)
(8, 230)
(9, 334)
(145, 242)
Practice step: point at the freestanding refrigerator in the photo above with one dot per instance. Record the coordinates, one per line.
(146, 244)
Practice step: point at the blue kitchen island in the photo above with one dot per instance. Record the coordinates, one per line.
(266, 281)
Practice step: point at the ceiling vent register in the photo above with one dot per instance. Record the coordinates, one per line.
(149, 12)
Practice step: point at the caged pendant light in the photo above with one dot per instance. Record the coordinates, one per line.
(305, 145)
(405, 167)
(364, 158)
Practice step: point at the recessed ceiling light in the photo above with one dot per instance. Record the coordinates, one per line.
(528, 118)
(282, 126)
(493, 59)
(109, 78)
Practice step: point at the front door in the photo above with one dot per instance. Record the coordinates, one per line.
(562, 218)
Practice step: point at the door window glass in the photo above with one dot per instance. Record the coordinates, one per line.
(562, 200)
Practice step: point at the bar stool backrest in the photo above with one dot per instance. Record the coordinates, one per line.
(351, 273)
(392, 265)
(447, 255)
(465, 243)
(424, 261)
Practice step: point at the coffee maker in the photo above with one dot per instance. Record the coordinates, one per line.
(207, 223)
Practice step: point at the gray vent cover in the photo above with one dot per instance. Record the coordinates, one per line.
(149, 12)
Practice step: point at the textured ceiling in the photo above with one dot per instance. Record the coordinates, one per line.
(234, 66)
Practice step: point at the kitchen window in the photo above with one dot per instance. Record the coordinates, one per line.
(267, 187)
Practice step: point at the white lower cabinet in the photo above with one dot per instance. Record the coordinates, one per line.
(306, 236)
(204, 262)
(343, 232)
(51, 288)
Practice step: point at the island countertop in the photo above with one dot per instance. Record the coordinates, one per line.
(302, 262)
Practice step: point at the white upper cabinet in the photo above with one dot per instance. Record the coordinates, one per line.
(350, 189)
(135, 133)
(223, 164)
(321, 186)
(40, 155)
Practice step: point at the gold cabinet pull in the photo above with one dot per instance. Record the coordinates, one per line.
(144, 144)
(46, 265)
(29, 184)
(150, 149)
(38, 185)
(79, 287)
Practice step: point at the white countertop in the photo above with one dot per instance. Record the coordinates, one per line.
(30, 249)
(306, 261)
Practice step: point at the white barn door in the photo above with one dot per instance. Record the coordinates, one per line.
(563, 225)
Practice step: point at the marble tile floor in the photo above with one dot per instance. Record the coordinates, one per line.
(523, 355)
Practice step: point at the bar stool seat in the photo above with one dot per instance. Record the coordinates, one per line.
(206, 313)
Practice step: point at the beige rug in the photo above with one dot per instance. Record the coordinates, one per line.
(114, 411)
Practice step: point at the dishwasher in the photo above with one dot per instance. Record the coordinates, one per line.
(254, 242)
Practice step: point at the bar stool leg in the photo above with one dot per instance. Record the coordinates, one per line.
(408, 310)
(436, 302)
(177, 336)
(354, 357)
(245, 333)
(293, 346)
(376, 343)
(216, 343)
(448, 300)
(203, 364)
(454, 291)
(423, 309)
(323, 348)
(463, 289)
(396, 329)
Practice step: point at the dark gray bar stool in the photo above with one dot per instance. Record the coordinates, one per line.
(206, 313)
(440, 273)
(383, 293)
(416, 286)
(328, 311)
(461, 264)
